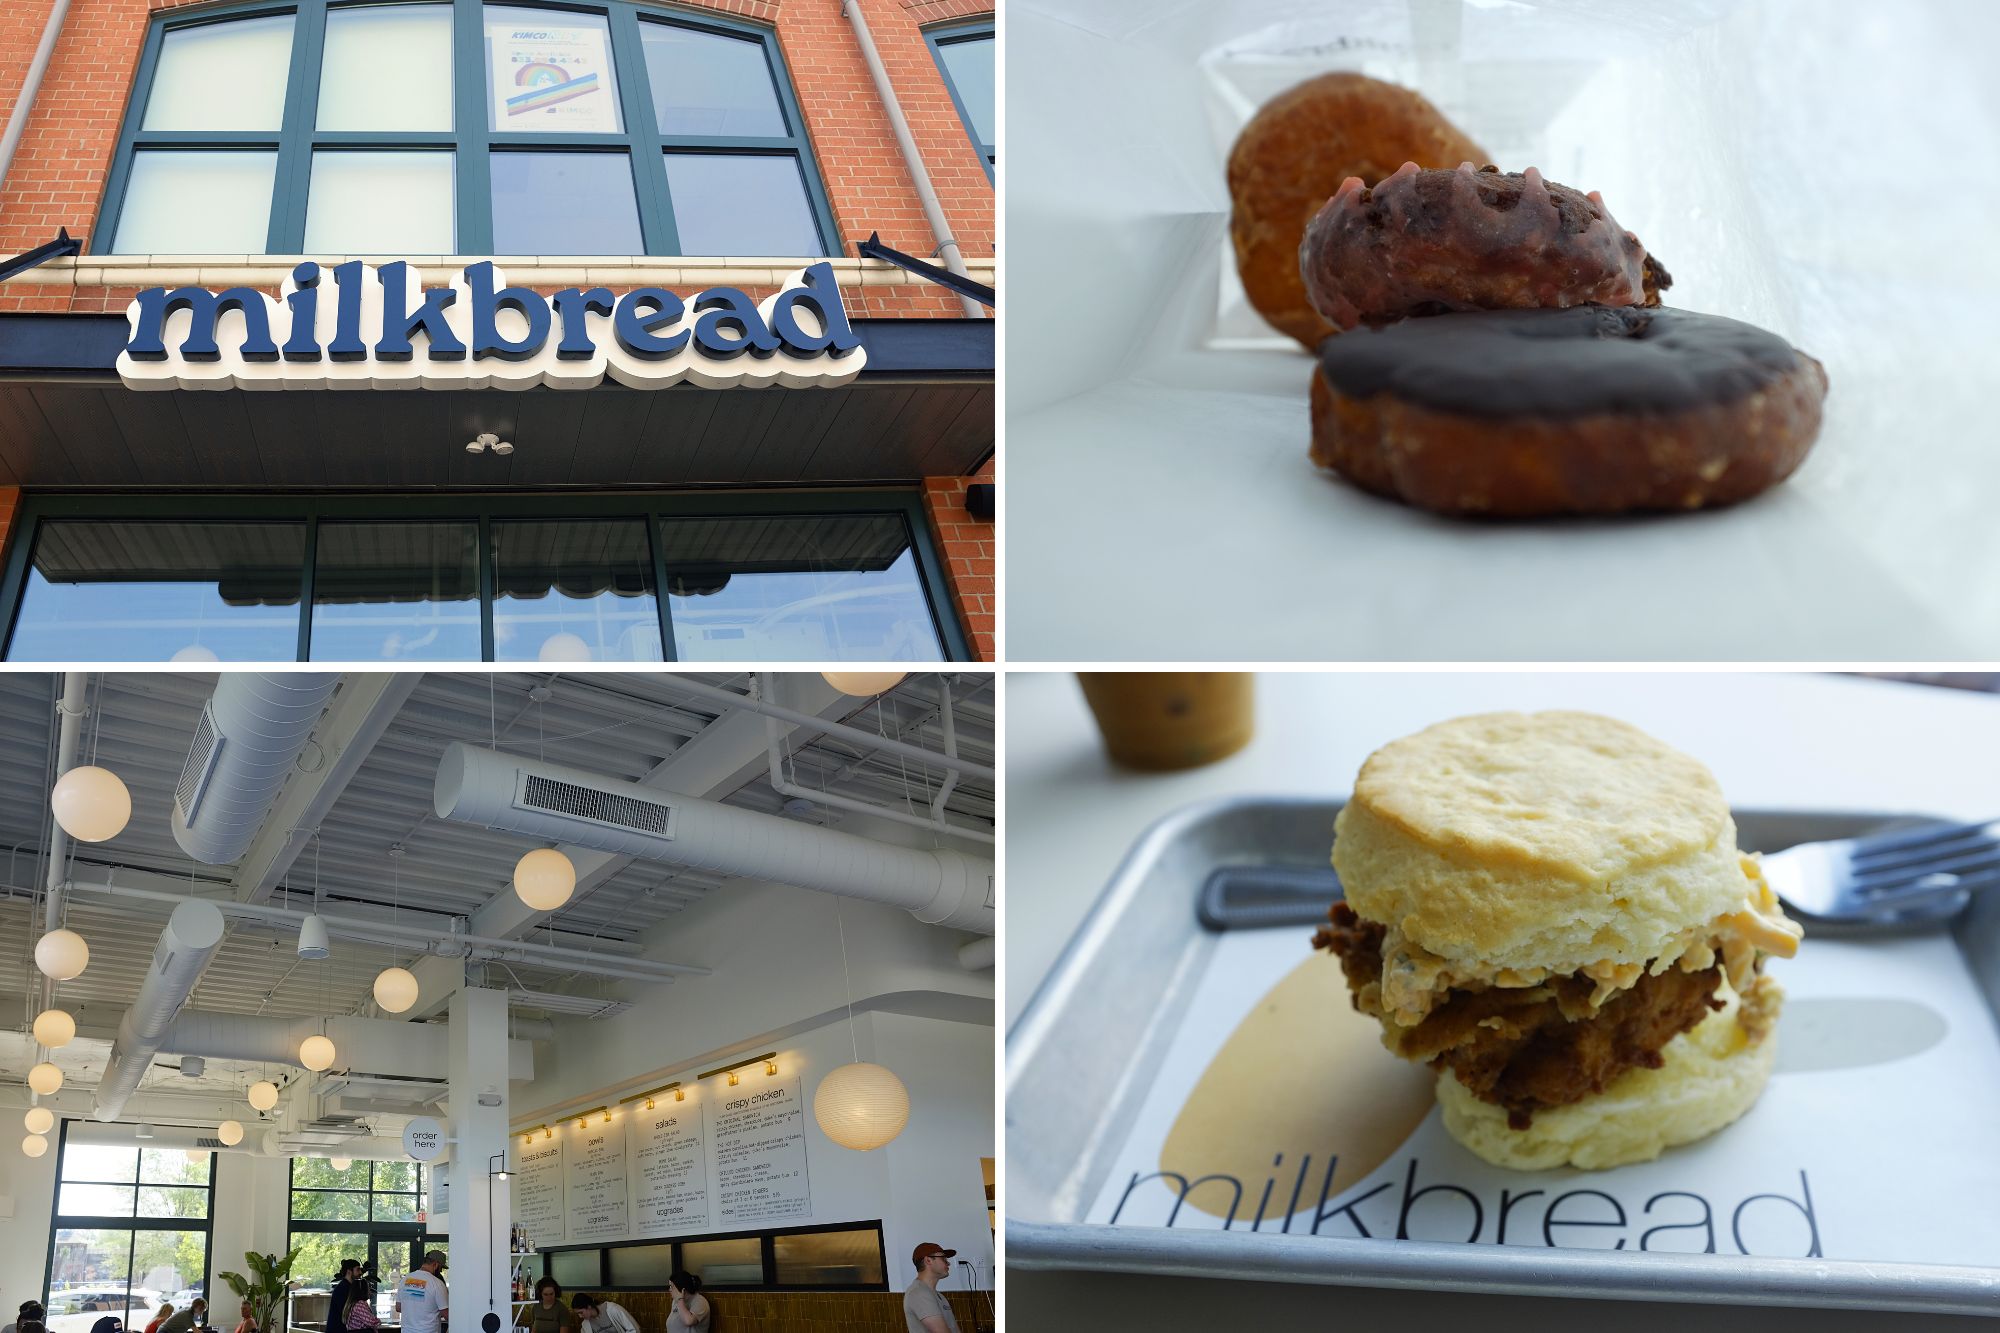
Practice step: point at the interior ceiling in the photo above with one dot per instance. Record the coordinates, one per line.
(622, 725)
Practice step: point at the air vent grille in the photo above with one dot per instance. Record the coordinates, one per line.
(200, 765)
(599, 807)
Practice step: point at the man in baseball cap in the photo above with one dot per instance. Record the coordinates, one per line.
(923, 1309)
(424, 1302)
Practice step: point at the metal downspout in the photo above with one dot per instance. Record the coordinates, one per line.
(907, 145)
(31, 85)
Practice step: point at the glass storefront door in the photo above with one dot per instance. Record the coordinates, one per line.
(394, 1257)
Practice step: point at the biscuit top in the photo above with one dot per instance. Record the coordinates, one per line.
(1512, 846)
(1582, 361)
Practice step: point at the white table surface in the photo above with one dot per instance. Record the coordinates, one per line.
(1773, 740)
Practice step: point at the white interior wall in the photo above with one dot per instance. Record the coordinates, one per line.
(27, 1194)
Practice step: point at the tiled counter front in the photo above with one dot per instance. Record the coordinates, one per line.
(805, 1311)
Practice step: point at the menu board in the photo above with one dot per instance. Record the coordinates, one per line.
(725, 1157)
(538, 1191)
(758, 1145)
(669, 1169)
(594, 1184)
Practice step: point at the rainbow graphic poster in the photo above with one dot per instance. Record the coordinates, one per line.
(554, 77)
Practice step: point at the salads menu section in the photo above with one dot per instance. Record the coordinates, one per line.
(725, 1157)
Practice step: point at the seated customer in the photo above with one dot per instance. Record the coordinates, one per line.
(248, 1322)
(603, 1316)
(188, 1320)
(548, 1314)
(31, 1313)
(160, 1319)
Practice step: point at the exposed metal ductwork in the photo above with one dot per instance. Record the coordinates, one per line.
(514, 795)
(976, 955)
(274, 1142)
(362, 1045)
(190, 938)
(245, 745)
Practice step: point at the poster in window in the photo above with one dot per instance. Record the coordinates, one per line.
(758, 1144)
(551, 77)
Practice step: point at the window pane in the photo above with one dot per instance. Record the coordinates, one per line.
(549, 72)
(969, 64)
(166, 1262)
(735, 204)
(725, 1262)
(328, 1206)
(805, 588)
(395, 1207)
(170, 1166)
(396, 592)
(319, 1259)
(709, 84)
(88, 1161)
(95, 1201)
(310, 1173)
(92, 1269)
(830, 1259)
(161, 1201)
(222, 76)
(565, 204)
(196, 202)
(376, 203)
(371, 49)
(576, 1269)
(574, 592)
(158, 592)
(641, 1265)
(398, 1177)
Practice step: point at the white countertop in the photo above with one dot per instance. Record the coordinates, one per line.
(1773, 740)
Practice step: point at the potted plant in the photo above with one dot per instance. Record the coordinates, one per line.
(266, 1289)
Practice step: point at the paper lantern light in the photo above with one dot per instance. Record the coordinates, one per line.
(54, 1028)
(340, 1163)
(861, 1106)
(62, 955)
(91, 803)
(316, 1053)
(564, 647)
(34, 1145)
(263, 1095)
(395, 989)
(45, 1079)
(230, 1132)
(544, 879)
(861, 684)
(39, 1120)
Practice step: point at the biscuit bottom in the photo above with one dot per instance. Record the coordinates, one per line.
(1712, 1074)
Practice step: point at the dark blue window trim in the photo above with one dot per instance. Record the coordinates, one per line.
(943, 36)
(472, 143)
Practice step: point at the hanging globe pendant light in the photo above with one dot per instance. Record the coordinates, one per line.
(91, 803)
(54, 1028)
(544, 879)
(39, 1120)
(263, 1095)
(861, 1106)
(395, 989)
(62, 955)
(316, 1053)
(862, 684)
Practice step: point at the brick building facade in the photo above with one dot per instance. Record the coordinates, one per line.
(84, 129)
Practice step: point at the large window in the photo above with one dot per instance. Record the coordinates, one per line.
(848, 1257)
(964, 53)
(130, 1230)
(803, 577)
(372, 1211)
(429, 127)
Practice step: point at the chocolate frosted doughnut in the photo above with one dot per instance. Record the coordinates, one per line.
(1425, 242)
(1292, 155)
(1589, 410)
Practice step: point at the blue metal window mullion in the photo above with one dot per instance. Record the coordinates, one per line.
(656, 542)
(105, 232)
(474, 168)
(661, 236)
(795, 120)
(939, 38)
(306, 588)
(287, 233)
(489, 560)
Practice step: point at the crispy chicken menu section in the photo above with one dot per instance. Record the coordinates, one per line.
(1550, 910)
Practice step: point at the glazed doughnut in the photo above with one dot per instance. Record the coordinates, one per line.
(1424, 242)
(1295, 152)
(1588, 410)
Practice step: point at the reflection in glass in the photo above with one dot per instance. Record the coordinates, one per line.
(738, 204)
(374, 48)
(134, 591)
(396, 592)
(565, 204)
(829, 1259)
(197, 202)
(222, 76)
(706, 83)
(548, 71)
(641, 1265)
(832, 587)
(575, 1269)
(577, 591)
(365, 202)
(724, 1263)
(970, 65)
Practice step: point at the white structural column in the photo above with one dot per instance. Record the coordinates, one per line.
(480, 1206)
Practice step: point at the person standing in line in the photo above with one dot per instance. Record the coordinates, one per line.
(425, 1303)
(689, 1312)
(603, 1316)
(343, 1292)
(924, 1310)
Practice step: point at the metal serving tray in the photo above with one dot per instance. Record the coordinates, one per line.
(1080, 1055)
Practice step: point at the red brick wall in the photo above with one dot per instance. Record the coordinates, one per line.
(966, 546)
(10, 505)
(60, 170)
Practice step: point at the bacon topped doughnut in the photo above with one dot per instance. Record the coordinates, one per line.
(1425, 242)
